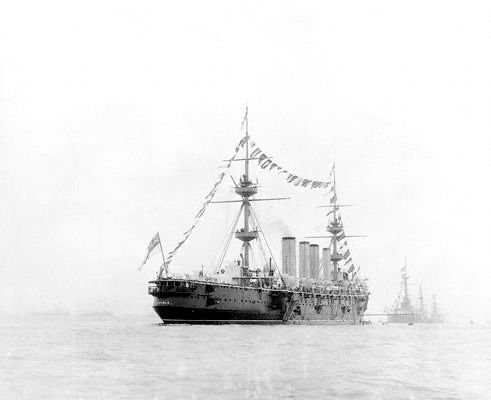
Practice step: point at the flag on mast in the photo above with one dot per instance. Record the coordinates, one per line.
(332, 169)
(151, 246)
(245, 118)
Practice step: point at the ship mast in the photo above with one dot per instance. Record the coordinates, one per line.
(335, 227)
(245, 199)
(246, 189)
(405, 277)
(434, 307)
(421, 301)
(246, 175)
(251, 228)
(406, 301)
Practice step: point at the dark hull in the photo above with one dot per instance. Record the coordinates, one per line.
(184, 315)
(195, 302)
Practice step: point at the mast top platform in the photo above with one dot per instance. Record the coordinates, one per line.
(334, 227)
(246, 190)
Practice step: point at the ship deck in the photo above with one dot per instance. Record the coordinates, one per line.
(190, 301)
(316, 290)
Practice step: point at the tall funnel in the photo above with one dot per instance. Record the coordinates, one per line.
(304, 260)
(288, 256)
(314, 261)
(326, 264)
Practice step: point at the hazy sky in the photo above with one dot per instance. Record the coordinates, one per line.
(115, 114)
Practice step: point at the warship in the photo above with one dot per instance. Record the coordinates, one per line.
(435, 317)
(252, 288)
(403, 311)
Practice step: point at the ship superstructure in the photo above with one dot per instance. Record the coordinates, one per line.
(253, 288)
(436, 317)
(403, 310)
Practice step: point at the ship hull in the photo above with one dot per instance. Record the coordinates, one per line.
(198, 317)
(195, 315)
(413, 318)
(402, 319)
(195, 302)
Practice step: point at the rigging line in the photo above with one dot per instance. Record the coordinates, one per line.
(270, 252)
(204, 207)
(218, 254)
(262, 251)
(260, 280)
(321, 266)
(255, 224)
(224, 245)
(260, 244)
(257, 265)
(253, 257)
(263, 255)
(230, 237)
(261, 248)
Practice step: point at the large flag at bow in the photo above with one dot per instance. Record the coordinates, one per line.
(151, 246)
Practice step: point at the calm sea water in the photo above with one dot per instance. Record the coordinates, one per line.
(133, 358)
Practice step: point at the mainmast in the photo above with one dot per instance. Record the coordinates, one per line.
(335, 227)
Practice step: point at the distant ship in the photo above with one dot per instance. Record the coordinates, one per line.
(103, 314)
(52, 310)
(435, 317)
(403, 311)
(252, 289)
(100, 311)
(55, 312)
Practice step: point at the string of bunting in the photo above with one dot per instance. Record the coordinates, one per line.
(208, 199)
(345, 252)
(265, 162)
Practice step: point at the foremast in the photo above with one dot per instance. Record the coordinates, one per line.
(406, 301)
(245, 190)
(251, 229)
